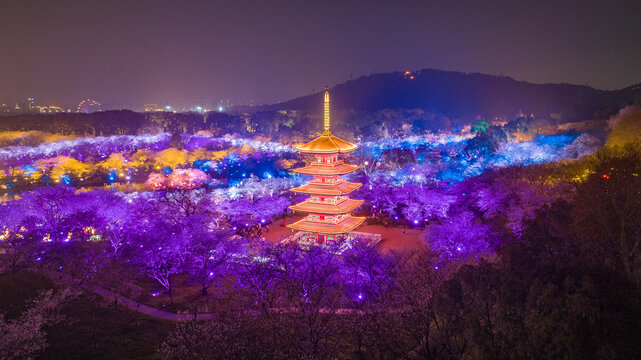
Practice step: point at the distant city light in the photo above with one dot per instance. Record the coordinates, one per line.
(220, 109)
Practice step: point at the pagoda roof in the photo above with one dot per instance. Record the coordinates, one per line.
(326, 169)
(342, 207)
(326, 144)
(349, 224)
(340, 188)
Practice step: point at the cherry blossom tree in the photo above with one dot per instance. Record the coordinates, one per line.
(26, 337)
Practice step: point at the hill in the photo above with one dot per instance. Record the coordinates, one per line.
(463, 96)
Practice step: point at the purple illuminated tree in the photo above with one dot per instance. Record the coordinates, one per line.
(165, 254)
(459, 236)
(260, 274)
(209, 251)
(161, 265)
(423, 203)
(366, 270)
(18, 246)
(50, 209)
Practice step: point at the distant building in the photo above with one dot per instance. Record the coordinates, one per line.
(49, 109)
(153, 108)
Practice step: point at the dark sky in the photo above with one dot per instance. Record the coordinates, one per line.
(139, 51)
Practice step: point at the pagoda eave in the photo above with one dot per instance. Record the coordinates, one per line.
(342, 188)
(347, 225)
(326, 144)
(330, 151)
(325, 208)
(326, 169)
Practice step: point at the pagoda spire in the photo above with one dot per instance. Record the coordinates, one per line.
(326, 111)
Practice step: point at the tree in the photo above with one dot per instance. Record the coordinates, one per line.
(25, 337)
(459, 236)
(260, 274)
(49, 209)
(162, 265)
(209, 250)
(18, 246)
(480, 125)
(165, 253)
(625, 126)
(237, 337)
(608, 210)
(315, 292)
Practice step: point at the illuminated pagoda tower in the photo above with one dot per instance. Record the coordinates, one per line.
(328, 206)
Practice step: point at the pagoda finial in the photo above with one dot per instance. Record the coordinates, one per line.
(326, 110)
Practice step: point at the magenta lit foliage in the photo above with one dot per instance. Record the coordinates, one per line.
(178, 179)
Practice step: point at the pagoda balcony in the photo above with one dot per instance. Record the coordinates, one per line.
(326, 169)
(331, 163)
(327, 208)
(349, 224)
(322, 179)
(338, 188)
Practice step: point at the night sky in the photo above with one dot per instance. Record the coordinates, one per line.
(136, 52)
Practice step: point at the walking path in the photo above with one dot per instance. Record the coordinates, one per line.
(132, 304)
(139, 307)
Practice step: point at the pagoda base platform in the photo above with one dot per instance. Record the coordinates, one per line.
(346, 242)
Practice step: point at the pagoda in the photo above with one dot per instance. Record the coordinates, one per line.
(328, 206)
